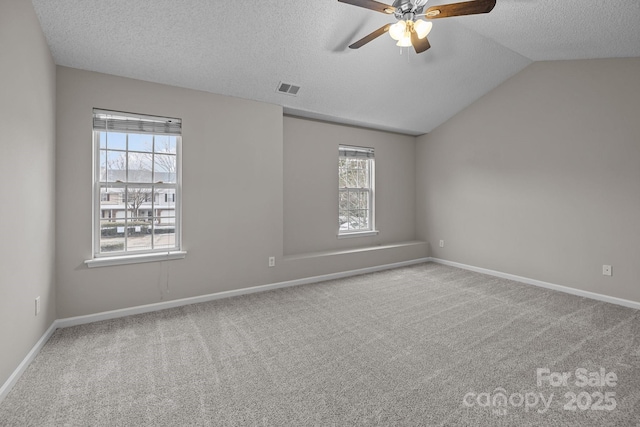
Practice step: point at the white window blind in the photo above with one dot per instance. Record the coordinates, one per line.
(356, 152)
(113, 121)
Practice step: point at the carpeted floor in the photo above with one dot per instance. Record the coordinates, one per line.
(421, 345)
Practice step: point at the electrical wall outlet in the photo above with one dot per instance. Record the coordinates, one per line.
(272, 261)
(606, 270)
(442, 243)
(37, 305)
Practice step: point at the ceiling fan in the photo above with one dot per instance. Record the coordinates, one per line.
(410, 30)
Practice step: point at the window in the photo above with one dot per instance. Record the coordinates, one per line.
(355, 188)
(137, 164)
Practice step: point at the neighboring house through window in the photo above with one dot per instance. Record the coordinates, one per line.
(136, 183)
(356, 177)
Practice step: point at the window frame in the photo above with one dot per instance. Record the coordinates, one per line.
(130, 256)
(370, 190)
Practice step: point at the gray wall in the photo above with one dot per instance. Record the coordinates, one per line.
(232, 200)
(541, 177)
(27, 167)
(232, 193)
(311, 185)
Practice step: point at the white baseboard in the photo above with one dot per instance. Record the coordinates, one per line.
(80, 320)
(534, 282)
(8, 385)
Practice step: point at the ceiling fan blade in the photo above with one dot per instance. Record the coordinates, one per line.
(460, 9)
(420, 45)
(366, 39)
(370, 4)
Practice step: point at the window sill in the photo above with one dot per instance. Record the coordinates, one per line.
(358, 234)
(134, 259)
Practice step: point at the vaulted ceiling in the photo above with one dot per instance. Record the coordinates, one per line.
(245, 49)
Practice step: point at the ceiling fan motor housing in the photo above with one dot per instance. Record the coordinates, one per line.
(406, 9)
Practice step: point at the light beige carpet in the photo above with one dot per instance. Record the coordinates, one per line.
(421, 345)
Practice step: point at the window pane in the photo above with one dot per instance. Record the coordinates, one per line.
(364, 180)
(359, 219)
(343, 200)
(138, 241)
(342, 177)
(353, 225)
(348, 178)
(113, 140)
(353, 199)
(111, 236)
(140, 142)
(103, 166)
(165, 168)
(139, 167)
(109, 203)
(165, 206)
(343, 210)
(364, 200)
(164, 233)
(165, 144)
(112, 166)
(138, 201)
(353, 221)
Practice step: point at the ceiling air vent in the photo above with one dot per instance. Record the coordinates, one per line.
(288, 89)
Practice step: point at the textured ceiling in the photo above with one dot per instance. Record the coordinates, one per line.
(220, 47)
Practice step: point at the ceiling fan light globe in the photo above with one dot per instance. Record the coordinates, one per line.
(422, 28)
(404, 42)
(397, 30)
